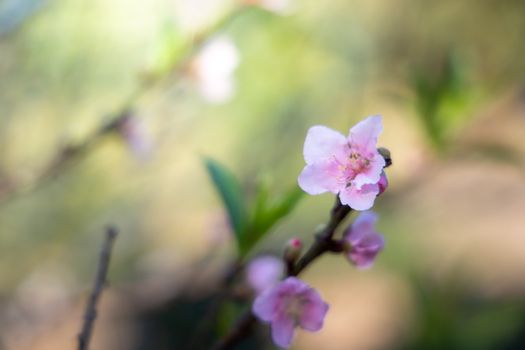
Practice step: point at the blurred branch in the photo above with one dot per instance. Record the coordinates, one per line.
(100, 281)
(324, 243)
(70, 153)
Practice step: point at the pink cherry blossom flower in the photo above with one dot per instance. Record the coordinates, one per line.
(363, 242)
(290, 304)
(264, 272)
(348, 166)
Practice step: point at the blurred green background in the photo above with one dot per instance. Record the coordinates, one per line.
(448, 77)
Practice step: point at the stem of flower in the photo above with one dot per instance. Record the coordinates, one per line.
(324, 240)
(324, 243)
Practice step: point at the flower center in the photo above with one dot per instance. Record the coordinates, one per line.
(294, 308)
(357, 162)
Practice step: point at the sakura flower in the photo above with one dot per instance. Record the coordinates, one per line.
(348, 166)
(264, 272)
(363, 243)
(214, 68)
(290, 304)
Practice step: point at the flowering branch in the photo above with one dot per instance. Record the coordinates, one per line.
(100, 281)
(324, 243)
(353, 169)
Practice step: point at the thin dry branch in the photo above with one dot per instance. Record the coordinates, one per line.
(90, 314)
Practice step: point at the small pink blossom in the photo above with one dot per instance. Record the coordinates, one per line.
(264, 272)
(290, 304)
(363, 242)
(137, 136)
(349, 166)
(295, 243)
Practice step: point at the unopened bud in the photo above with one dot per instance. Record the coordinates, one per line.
(383, 183)
(385, 153)
(293, 249)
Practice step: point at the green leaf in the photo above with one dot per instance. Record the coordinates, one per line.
(231, 195)
(281, 207)
(443, 98)
(268, 212)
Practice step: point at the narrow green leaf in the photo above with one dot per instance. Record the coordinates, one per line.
(267, 213)
(231, 195)
(282, 206)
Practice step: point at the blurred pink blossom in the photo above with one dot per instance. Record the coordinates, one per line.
(264, 272)
(214, 67)
(363, 242)
(290, 304)
(350, 167)
(137, 136)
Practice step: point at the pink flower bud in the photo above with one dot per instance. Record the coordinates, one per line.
(293, 250)
(383, 183)
(295, 243)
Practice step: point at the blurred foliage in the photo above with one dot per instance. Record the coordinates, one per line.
(443, 98)
(449, 317)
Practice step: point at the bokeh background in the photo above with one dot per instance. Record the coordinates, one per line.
(241, 82)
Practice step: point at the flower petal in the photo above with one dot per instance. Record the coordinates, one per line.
(359, 199)
(314, 312)
(364, 254)
(282, 330)
(364, 134)
(364, 222)
(322, 143)
(265, 304)
(321, 177)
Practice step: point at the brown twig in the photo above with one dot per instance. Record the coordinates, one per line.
(100, 282)
(324, 243)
